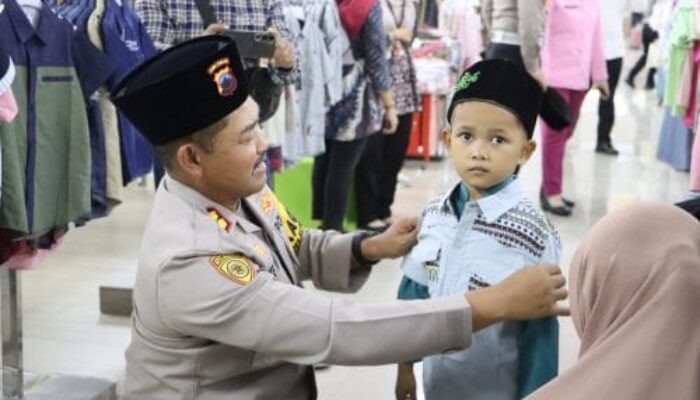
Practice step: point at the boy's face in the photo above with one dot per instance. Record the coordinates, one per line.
(487, 143)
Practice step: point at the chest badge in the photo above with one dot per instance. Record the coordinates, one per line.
(236, 268)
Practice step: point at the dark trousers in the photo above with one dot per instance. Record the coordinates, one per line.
(378, 170)
(331, 179)
(647, 40)
(606, 108)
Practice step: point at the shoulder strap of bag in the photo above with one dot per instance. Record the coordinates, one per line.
(206, 11)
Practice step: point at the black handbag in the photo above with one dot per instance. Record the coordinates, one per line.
(263, 88)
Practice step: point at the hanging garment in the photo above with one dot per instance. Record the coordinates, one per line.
(114, 182)
(675, 142)
(127, 45)
(48, 184)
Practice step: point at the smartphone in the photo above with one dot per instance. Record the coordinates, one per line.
(253, 44)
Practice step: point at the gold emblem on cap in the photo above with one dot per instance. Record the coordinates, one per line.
(222, 75)
(236, 268)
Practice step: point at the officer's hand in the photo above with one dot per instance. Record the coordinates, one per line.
(284, 51)
(529, 293)
(214, 29)
(405, 383)
(396, 241)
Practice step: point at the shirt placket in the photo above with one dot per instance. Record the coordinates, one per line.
(457, 248)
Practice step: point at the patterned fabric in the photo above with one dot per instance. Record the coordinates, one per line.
(170, 22)
(365, 74)
(403, 75)
(521, 228)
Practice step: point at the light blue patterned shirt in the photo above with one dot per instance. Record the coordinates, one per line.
(492, 238)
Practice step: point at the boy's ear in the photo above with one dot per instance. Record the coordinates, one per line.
(447, 138)
(527, 151)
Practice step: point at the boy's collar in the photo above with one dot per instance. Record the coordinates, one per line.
(494, 205)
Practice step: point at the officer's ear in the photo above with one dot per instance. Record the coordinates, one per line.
(189, 159)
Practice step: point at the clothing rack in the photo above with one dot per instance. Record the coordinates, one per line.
(13, 375)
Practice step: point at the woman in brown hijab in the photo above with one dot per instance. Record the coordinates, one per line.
(635, 303)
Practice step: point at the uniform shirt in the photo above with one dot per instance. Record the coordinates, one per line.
(46, 149)
(170, 22)
(492, 238)
(219, 314)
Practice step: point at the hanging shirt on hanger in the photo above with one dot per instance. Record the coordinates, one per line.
(127, 44)
(46, 163)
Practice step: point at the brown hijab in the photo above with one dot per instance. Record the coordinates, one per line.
(635, 302)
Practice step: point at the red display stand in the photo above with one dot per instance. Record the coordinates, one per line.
(425, 142)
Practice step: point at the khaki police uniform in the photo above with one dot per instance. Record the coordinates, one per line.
(219, 312)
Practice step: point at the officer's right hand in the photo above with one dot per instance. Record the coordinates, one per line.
(529, 293)
(533, 292)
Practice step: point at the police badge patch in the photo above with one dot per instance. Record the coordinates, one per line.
(236, 268)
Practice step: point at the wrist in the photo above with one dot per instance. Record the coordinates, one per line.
(365, 249)
(488, 306)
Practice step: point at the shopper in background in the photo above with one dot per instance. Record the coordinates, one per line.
(635, 290)
(613, 14)
(367, 107)
(572, 58)
(378, 170)
(649, 36)
(514, 29)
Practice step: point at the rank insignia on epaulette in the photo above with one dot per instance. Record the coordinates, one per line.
(216, 216)
(266, 203)
(236, 268)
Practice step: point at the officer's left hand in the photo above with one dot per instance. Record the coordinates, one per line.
(395, 242)
(284, 51)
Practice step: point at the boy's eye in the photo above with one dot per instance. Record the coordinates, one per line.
(498, 140)
(465, 135)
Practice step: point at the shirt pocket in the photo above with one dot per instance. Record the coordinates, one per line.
(423, 263)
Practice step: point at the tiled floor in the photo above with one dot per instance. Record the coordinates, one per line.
(65, 333)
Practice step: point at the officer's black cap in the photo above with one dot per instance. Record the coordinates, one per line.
(510, 86)
(184, 89)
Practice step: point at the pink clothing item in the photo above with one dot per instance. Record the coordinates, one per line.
(695, 165)
(554, 143)
(8, 107)
(635, 290)
(572, 55)
(692, 110)
(29, 257)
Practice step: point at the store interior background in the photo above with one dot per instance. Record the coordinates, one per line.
(65, 333)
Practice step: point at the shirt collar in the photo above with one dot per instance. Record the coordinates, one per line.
(23, 28)
(207, 206)
(496, 204)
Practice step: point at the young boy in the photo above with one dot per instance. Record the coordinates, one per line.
(480, 232)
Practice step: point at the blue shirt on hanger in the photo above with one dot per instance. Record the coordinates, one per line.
(127, 45)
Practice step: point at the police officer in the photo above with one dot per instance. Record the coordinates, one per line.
(219, 311)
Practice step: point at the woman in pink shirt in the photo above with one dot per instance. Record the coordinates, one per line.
(572, 60)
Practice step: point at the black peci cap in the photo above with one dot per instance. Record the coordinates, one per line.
(184, 89)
